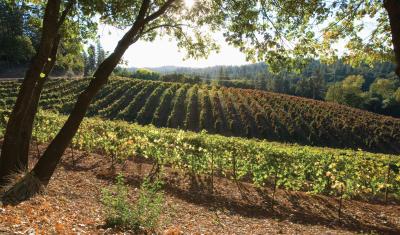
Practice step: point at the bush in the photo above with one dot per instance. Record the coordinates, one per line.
(143, 215)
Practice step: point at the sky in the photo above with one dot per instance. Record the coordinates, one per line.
(164, 52)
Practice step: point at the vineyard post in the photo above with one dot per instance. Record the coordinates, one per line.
(234, 168)
(112, 161)
(386, 183)
(156, 173)
(212, 174)
(124, 163)
(136, 156)
(340, 202)
(274, 189)
(192, 170)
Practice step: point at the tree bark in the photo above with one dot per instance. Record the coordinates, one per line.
(393, 9)
(11, 149)
(14, 156)
(27, 126)
(47, 164)
(45, 167)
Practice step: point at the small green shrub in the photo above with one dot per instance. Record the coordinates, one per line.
(143, 215)
(150, 204)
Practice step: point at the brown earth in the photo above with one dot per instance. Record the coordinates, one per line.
(71, 205)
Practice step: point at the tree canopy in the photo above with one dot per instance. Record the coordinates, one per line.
(285, 34)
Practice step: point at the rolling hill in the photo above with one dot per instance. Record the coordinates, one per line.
(226, 111)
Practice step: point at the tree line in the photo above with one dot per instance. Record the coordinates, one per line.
(378, 89)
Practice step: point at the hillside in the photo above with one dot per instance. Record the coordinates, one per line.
(211, 183)
(71, 205)
(289, 166)
(227, 111)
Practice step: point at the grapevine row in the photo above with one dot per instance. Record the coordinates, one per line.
(227, 111)
(351, 173)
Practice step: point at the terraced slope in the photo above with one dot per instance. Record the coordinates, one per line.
(227, 111)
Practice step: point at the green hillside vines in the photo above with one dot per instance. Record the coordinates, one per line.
(226, 111)
(336, 172)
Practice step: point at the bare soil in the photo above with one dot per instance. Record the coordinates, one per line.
(71, 205)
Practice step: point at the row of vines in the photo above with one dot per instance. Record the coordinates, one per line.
(348, 173)
(227, 111)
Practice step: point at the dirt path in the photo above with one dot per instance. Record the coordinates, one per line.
(71, 206)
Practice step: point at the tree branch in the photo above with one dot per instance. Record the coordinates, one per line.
(141, 20)
(64, 14)
(160, 11)
(277, 31)
(143, 9)
(162, 26)
(344, 17)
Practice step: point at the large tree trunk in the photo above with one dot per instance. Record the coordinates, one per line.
(10, 161)
(393, 9)
(47, 164)
(27, 126)
(40, 175)
(14, 156)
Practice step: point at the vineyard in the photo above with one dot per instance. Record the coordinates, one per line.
(226, 111)
(349, 173)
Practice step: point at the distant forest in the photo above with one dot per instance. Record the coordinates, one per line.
(331, 73)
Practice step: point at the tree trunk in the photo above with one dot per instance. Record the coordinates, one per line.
(27, 126)
(25, 188)
(393, 9)
(47, 164)
(11, 149)
(45, 167)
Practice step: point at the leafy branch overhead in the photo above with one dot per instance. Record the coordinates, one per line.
(285, 34)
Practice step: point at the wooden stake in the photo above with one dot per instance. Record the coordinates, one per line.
(274, 190)
(212, 175)
(386, 184)
(340, 204)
